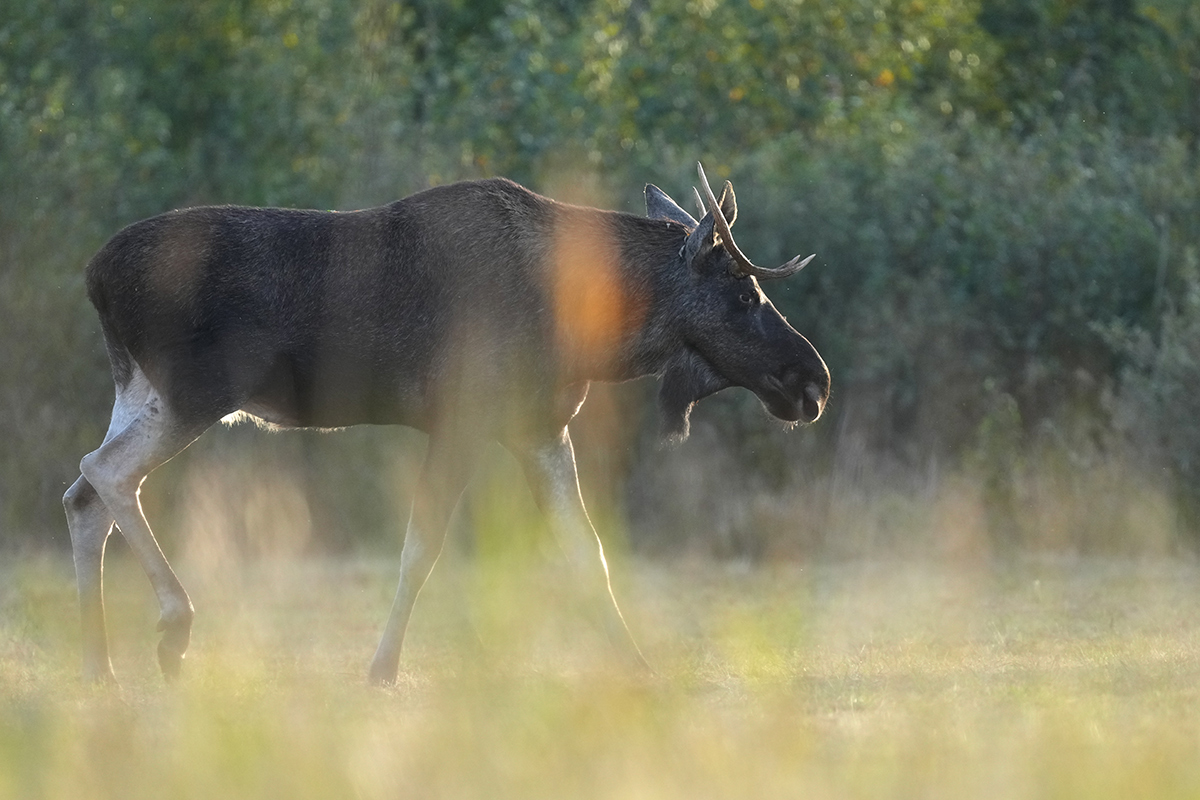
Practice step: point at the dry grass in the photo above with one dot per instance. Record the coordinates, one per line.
(1039, 678)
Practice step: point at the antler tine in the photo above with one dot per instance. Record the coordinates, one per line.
(795, 265)
(699, 202)
(743, 266)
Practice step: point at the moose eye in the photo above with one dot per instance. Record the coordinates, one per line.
(746, 299)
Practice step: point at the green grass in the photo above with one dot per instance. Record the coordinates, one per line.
(1037, 678)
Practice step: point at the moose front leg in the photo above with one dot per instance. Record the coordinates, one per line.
(443, 478)
(550, 468)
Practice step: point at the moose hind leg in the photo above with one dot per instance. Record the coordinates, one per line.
(116, 470)
(90, 524)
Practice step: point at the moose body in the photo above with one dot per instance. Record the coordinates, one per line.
(475, 311)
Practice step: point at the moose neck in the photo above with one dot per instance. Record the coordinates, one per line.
(608, 284)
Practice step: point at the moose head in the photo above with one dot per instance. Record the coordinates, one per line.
(731, 334)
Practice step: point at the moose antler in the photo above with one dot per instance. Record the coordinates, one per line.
(743, 266)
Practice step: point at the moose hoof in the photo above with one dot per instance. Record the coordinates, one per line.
(169, 661)
(381, 677)
(171, 648)
(100, 676)
(383, 672)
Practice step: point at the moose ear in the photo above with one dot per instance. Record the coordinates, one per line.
(699, 241)
(728, 203)
(659, 205)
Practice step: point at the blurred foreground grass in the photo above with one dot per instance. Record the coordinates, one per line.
(1035, 678)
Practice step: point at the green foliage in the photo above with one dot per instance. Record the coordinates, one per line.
(623, 84)
(955, 258)
(1136, 68)
(991, 187)
(1158, 405)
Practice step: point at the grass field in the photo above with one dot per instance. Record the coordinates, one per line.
(1037, 678)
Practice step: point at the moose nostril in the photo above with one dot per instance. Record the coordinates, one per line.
(814, 401)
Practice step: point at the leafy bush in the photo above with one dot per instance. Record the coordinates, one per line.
(964, 292)
(978, 238)
(1157, 406)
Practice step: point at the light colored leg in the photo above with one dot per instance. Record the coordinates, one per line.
(443, 478)
(117, 470)
(90, 525)
(550, 468)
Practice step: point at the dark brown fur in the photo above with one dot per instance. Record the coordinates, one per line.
(474, 311)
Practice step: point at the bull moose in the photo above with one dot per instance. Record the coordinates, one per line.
(474, 311)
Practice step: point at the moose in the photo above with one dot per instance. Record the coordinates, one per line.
(476, 311)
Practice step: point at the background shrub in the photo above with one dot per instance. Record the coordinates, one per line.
(1003, 197)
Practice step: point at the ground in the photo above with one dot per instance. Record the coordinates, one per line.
(1035, 677)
